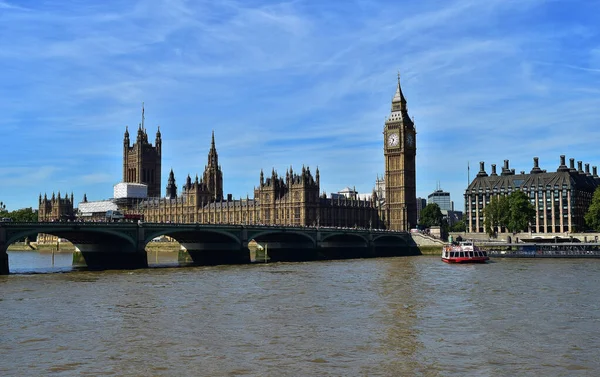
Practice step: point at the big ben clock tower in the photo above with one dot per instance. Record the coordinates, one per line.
(399, 137)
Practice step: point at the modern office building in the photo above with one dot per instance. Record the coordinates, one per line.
(442, 199)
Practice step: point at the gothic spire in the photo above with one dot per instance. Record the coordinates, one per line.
(399, 96)
(142, 125)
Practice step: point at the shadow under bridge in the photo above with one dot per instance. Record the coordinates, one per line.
(209, 247)
(98, 248)
(394, 245)
(286, 245)
(345, 246)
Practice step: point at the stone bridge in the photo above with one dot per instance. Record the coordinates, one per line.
(122, 245)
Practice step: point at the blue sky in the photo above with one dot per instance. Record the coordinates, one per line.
(292, 83)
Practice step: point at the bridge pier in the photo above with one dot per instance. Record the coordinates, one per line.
(3, 253)
(3, 263)
(212, 254)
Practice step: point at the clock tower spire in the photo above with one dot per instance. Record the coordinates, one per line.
(400, 174)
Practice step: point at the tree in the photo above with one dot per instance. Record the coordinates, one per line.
(24, 215)
(458, 226)
(496, 214)
(431, 215)
(592, 216)
(521, 212)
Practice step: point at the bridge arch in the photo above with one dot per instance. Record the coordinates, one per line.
(345, 245)
(339, 235)
(74, 234)
(285, 245)
(393, 245)
(181, 234)
(279, 233)
(205, 246)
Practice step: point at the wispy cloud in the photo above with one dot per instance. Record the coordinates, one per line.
(292, 83)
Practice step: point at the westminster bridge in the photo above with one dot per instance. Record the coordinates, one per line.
(122, 245)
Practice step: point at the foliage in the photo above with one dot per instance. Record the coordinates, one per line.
(431, 215)
(592, 216)
(521, 212)
(514, 212)
(496, 214)
(19, 215)
(458, 226)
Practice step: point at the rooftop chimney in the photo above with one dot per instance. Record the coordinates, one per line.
(579, 166)
(536, 166)
(595, 171)
(587, 170)
(572, 164)
(505, 169)
(482, 172)
(562, 166)
(494, 170)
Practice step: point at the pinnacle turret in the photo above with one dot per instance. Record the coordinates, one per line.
(399, 96)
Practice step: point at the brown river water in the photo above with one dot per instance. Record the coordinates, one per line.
(410, 316)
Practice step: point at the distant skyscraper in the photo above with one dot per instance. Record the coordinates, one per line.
(442, 199)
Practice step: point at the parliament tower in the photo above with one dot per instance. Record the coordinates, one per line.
(142, 161)
(400, 174)
(213, 176)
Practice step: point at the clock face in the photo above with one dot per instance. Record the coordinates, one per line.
(393, 140)
(410, 140)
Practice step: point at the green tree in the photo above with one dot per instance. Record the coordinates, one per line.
(592, 216)
(458, 226)
(431, 215)
(496, 214)
(521, 212)
(24, 215)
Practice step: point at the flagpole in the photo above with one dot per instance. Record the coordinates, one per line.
(468, 174)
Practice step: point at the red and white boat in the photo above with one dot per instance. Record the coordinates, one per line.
(464, 252)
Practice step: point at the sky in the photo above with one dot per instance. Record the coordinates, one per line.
(305, 82)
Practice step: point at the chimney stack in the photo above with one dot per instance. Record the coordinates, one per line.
(536, 166)
(579, 166)
(562, 166)
(505, 169)
(482, 172)
(494, 169)
(572, 164)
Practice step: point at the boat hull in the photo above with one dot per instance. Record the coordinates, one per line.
(466, 260)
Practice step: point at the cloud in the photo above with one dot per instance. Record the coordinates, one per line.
(292, 83)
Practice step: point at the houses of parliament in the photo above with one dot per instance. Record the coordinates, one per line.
(293, 199)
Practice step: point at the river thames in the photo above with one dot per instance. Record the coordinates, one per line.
(410, 316)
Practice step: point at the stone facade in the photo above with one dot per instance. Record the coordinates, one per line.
(142, 160)
(560, 198)
(291, 200)
(400, 172)
(56, 208)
